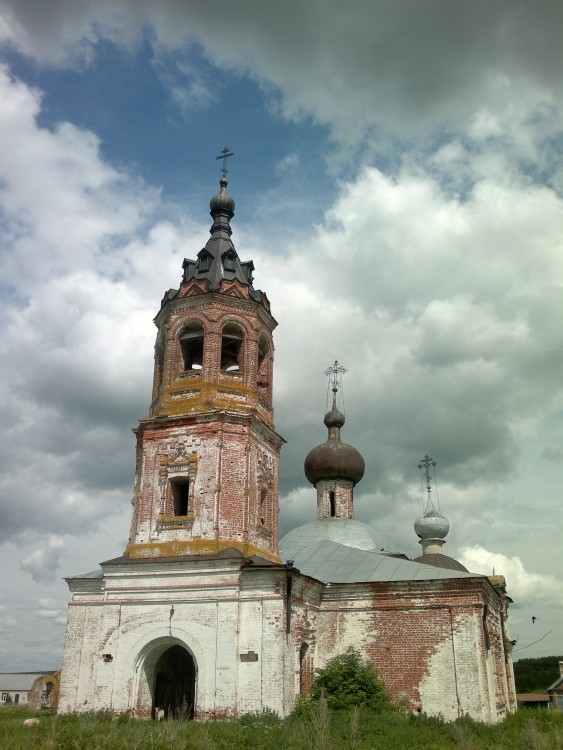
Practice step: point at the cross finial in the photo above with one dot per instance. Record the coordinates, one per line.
(335, 373)
(425, 464)
(225, 154)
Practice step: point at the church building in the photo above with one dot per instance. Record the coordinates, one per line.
(207, 614)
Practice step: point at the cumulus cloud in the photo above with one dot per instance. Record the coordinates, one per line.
(525, 587)
(6, 619)
(43, 562)
(77, 333)
(48, 610)
(360, 68)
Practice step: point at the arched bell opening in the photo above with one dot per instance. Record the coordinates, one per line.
(231, 348)
(191, 342)
(263, 375)
(174, 684)
(263, 349)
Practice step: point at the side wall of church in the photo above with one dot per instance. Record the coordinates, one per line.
(426, 639)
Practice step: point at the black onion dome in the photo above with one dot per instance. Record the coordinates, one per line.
(334, 459)
(334, 418)
(222, 201)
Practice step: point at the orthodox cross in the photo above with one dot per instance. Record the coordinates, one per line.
(425, 464)
(335, 373)
(225, 154)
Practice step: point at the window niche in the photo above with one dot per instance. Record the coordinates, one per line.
(204, 262)
(263, 498)
(191, 342)
(180, 488)
(229, 262)
(332, 503)
(231, 348)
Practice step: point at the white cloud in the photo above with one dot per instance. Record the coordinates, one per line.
(359, 68)
(7, 621)
(524, 587)
(44, 562)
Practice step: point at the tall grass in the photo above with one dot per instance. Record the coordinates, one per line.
(321, 729)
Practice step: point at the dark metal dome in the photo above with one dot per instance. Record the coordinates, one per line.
(334, 459)
(222, 201)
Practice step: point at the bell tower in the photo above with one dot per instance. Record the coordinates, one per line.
(208, 454)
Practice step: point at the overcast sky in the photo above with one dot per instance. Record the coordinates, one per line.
(398, 177)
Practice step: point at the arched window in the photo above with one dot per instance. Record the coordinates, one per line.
(263, 349)
(231, 348)
(180, 487)
(191, 341)
(332, 503)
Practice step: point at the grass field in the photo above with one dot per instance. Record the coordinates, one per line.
(322, 730)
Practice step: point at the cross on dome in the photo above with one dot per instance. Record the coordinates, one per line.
(225, 154)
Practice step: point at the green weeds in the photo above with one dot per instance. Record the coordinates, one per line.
(320, 729)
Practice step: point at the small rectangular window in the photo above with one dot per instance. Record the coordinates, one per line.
(4, 698)
(180, 496)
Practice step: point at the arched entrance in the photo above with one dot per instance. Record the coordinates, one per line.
(174, 683)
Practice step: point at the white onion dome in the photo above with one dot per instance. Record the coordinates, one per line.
(431, 525)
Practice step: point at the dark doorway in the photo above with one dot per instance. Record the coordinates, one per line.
(174, 688)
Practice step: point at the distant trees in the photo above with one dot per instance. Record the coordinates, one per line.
(536, 675)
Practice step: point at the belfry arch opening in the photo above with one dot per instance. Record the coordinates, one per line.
(231, 348)
(174, 684)
(263, 349)
(191, 342)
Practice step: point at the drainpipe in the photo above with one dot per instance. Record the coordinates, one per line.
(288, 592)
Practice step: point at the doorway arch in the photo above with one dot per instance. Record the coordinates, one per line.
(175, 661)
(174, 684)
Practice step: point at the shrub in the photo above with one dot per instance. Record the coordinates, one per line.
(347, 681)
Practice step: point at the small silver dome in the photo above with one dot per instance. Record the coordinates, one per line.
(432, 525)
(344, 531)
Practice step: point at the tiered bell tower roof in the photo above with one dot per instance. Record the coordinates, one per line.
(218, 261)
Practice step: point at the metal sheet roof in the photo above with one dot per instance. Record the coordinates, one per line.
(19, 680)
(330, 562)
(91, 574)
